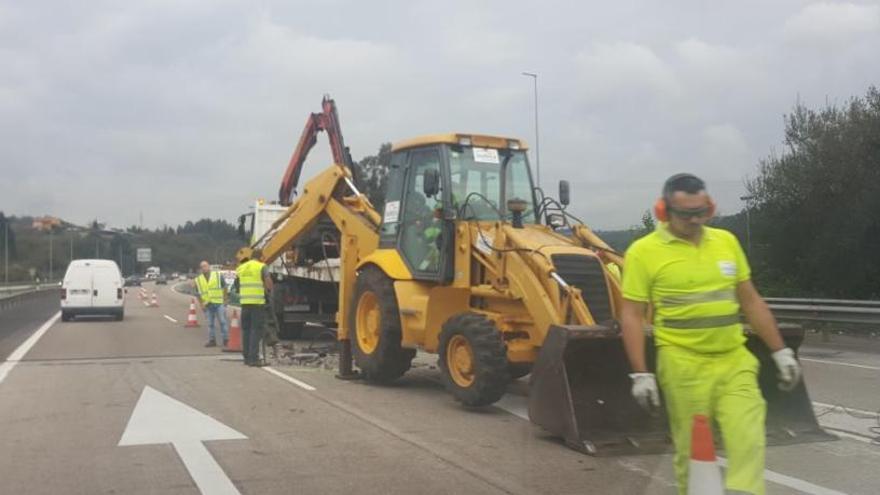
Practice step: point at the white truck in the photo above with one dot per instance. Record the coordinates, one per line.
(305, 278)
(152, 273)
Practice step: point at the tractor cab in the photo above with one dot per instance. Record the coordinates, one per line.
(436, 180)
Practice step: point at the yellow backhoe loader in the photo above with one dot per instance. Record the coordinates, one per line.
(466, 260)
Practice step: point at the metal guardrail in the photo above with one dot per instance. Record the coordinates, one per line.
(9, 300)
(850, 311)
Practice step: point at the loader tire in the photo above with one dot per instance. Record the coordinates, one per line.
(519, 370)
(473, 358)
(374, 323)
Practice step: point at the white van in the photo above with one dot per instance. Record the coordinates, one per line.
(92, 287)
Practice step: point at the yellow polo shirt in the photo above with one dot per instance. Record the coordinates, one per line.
(692, 288)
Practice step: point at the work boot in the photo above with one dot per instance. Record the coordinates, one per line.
(211, 343)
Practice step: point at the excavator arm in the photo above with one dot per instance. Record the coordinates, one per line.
(327, 120)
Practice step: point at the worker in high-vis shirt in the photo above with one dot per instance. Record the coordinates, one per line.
(213, 297)
(696, 280)
(254, 284)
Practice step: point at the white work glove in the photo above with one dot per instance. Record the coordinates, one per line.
(645, 390)
(789, 369)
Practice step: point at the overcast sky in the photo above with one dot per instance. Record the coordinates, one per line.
(186, 109)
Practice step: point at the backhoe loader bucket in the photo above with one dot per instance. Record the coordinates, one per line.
(580, 391)
(790, 415)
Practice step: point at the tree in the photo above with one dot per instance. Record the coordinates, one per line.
(647, 225)
(373, 176)
(816, 216)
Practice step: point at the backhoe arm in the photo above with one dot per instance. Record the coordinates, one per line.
(327, 120)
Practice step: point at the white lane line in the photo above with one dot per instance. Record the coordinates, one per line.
(146, 304)
(20, 351)
(850, 435)
(851, 365)
(872, 414)
(289, 378)
(172, 320)
(795, 483)
(518, 406)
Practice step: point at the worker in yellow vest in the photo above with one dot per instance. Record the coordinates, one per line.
(696, 280)
(254, 285)
(213, 297)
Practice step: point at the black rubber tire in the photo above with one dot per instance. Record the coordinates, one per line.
(65, 316)
(388, 361)
(291, 330)
(491, 374)
(519, 370)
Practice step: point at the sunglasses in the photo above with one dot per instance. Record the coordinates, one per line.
(688, 214)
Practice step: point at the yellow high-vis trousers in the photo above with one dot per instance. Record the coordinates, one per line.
(723, 387)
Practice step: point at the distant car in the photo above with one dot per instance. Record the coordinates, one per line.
(162, 280)
(182, 277)
(133, 281)
(92, 287)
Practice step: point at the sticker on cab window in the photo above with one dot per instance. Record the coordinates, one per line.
(486, 155)
(728, 268)
(392, 211)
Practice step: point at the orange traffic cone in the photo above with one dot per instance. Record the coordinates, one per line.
(704, 475)
(234, 343)
(154, 303)
(191, 319)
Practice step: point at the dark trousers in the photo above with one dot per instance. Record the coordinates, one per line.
(253, 324)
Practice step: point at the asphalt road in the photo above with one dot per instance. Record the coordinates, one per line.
(65, 406)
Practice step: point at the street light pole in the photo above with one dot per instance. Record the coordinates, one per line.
(748, 199)
(534, 77)
(6, 251)
(50, 256)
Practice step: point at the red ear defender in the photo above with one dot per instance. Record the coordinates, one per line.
(660, 210)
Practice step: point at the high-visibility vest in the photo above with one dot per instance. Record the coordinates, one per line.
(250, 283)
(210, 290)
(691, 288)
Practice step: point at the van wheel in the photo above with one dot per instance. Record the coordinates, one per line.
(65, 316)
(473, 358)
(374, 328)
(120, 316)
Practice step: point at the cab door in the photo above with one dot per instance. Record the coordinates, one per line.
(421, 225)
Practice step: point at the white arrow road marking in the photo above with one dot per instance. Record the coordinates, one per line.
(159, 419)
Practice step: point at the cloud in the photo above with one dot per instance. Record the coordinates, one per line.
(624, 69)
(832, 22)
(725, 147)
(147, 104)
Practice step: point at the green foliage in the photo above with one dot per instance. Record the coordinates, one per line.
(174, 249)
(816, 221)
(647, 225)
(373, 175)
